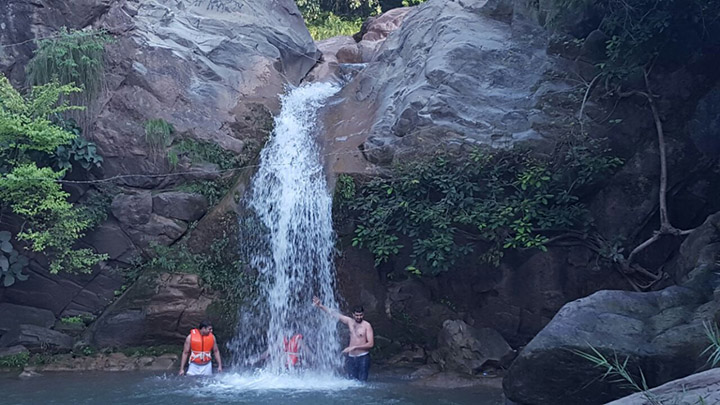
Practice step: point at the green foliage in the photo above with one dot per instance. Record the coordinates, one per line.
(70, 57)
(15, 361)
(213, 190)
(713, 349)
(24, 123)
(201, 152)
(158, 133)
(11, 262)
(72, 320)
(330, 25)
(95, 204)
(315, 11)
(618, 369)
(80, 151)
(446, 203)
(52, 224)
(409, 3)
(644, 31)
(219, 269)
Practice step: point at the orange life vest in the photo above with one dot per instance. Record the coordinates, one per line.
(292, 349)
(200, 347)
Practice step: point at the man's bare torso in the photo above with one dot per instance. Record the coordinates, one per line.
(358, 336)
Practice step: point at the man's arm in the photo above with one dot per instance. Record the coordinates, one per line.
(335, 314)
(370, 341)
(216, 352)
(185, 354)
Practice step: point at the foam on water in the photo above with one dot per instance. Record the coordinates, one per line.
(286, 236)
(265, 380)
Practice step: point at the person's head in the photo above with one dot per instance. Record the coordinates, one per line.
(205, 328)
(358, 313)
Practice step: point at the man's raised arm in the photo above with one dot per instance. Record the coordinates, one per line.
(335, 314)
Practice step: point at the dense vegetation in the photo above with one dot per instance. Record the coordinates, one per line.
(39, 145)
(29, 184)
(329, 18)
(450, 204)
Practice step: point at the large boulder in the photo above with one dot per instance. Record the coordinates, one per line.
(36, 338)
(158, 309)
(663, 333)
(472, 72)
(700, 388)
(470, 350)
(179, 205)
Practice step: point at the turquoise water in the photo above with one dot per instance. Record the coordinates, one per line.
(165, 389)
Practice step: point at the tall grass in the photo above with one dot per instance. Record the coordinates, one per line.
(71, 56)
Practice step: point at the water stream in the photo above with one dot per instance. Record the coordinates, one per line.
(287, 237)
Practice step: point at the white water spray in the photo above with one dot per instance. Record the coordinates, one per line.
(287, 237)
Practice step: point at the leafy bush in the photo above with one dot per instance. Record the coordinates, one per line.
(53, 225)
(80, 151)
(448, 203)
(15, 361)
(200, 152)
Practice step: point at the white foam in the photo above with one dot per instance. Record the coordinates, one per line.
(268, 381)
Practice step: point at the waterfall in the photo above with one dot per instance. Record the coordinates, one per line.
(287, 237)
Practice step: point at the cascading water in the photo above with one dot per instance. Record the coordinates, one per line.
(287, 237)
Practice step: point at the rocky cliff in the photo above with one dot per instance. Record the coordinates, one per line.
(212, 71)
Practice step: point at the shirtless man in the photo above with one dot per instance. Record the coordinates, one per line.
(362, 339)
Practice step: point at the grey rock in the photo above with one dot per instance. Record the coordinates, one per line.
(132, 209)
(179, 205)
(700, 388)
(11, 316)
(37, 338)
(469, 350)
(12, 350)
(463, 73)
(158, 229)
(660, 332)
(110, 239)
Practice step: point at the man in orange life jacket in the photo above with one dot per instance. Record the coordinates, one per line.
(198, 345)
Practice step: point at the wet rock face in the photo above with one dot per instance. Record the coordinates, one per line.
(660, 332)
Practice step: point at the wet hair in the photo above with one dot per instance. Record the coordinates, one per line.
(358, 309)
(204, 324)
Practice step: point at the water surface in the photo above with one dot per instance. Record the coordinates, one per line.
(260, 388)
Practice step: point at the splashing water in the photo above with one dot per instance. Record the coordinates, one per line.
(287, 236)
